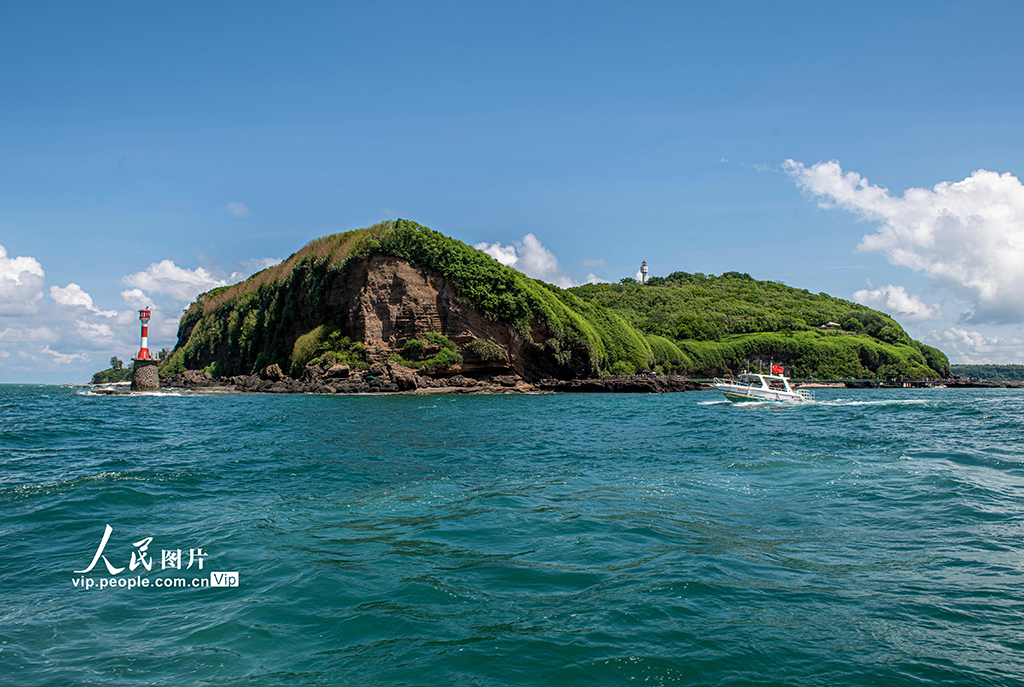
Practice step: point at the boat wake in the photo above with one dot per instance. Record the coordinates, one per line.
(883, 402)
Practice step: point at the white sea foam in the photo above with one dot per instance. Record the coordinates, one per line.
(885, 402)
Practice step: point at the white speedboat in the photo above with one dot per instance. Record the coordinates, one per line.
(754, 386)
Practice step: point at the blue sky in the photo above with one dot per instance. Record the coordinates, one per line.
(149, 151)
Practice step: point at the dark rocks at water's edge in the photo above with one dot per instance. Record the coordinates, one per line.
(390, 377)
(862, 384)
(977, 384)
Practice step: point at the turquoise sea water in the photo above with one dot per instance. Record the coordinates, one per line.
(873, 538)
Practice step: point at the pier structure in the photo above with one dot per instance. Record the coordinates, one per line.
(145, 368)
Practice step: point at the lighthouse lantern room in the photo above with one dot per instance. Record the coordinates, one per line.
(144, 351)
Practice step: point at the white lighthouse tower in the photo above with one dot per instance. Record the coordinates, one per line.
(643, 272)
(144, 350)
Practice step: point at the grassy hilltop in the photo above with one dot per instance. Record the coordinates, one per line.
(714, 324)
(687, 323)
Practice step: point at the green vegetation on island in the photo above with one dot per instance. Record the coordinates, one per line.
(117, 372)
(718, 324)
(433, 353)
(990, 373)
(693, 324)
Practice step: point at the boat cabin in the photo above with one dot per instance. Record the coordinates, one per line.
(771, 382)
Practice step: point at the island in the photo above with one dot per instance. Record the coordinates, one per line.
(400, 307)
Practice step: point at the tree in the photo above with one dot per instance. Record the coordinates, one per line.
(891, 334)
(116, 364)
(852, 324)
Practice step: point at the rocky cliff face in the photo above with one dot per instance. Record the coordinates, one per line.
(384, 302)
(388, 301)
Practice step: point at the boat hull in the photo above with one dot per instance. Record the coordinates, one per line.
(737, 397)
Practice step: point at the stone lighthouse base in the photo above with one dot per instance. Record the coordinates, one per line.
(145, 375)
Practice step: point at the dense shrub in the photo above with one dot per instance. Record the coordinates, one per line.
(439, 340)
(445, 359)
(445, 355)
(413, 347)
(667, 355)
(486, 349)
(622, 367)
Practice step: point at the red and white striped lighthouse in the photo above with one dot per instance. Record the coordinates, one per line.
(144, 351)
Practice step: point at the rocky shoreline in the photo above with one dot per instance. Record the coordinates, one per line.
(390, 377)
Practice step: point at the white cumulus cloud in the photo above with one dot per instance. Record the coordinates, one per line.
(73, 296)
(895, 300)
(531, 258)
(28, 334)
(975, 348)
(64, 358)
(167, 278)
(96, 333)
(135, 298)
(967, 235)
(21, 284)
